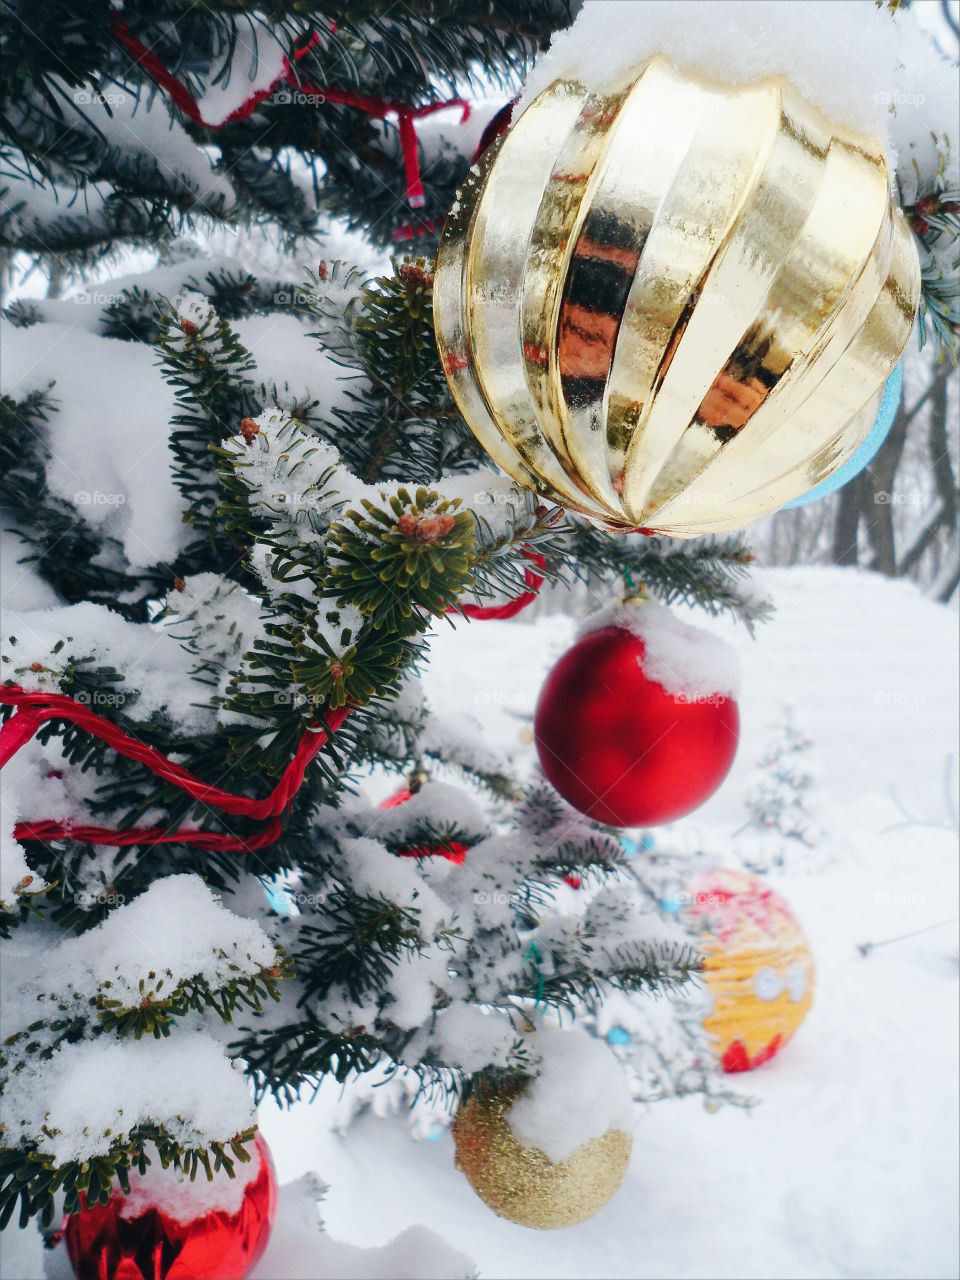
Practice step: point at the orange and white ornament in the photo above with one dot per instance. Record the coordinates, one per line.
(758, 966)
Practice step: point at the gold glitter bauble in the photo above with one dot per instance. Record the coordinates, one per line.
(671, 304)
(521, 1183)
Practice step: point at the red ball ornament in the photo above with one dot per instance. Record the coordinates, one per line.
(620, 746)
(157, 1243)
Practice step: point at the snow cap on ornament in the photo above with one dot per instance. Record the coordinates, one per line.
(638, 723)
(671, 296)
(550, 1151)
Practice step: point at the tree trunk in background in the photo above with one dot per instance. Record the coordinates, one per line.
(847, 524)
(57, 279)
(877, 493)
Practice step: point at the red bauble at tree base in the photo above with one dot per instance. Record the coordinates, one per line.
(621, 748)
(217, 1245)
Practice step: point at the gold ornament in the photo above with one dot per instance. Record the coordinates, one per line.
(521, 1183)
(671, 305)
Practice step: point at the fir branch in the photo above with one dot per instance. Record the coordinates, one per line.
(397, 563)
(33, 1180)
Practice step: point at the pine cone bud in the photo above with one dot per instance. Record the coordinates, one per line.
(433, 528)
(189, 328)
(412, 273)
(425, 528)
(248, 429)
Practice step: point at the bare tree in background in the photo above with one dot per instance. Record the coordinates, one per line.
(901, 515)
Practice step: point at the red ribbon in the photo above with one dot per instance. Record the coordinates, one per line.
(453, 852)
(379, 108)
(490, 612)
(498, 123)
(34, 709)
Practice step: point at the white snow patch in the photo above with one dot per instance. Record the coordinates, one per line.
(170, 1191)
(21, 586)
(151, 660)
(257, 61)
(845, 56)
(75, 1104)
(687, 661)
(288, 358)
(375, 873)
(470, 1038)
(194, 308)
(108, 436)
(300, 1250)
(176, 930)
(579, 1093)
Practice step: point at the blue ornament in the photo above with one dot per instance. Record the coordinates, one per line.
(673, 905)
(856, 463)
(618, 1035)
(632, 845)
(278, 899)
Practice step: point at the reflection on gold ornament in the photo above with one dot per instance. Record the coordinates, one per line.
(672, 304)
(521, 1183)
(757, 966)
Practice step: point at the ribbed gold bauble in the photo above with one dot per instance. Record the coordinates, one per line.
(521, 1183)
(671, 304)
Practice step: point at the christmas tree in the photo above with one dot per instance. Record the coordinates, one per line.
(783, 832)
(226, 582)
(237, 502)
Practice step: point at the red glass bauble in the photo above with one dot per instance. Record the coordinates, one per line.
(618, 746)
(217, 1245)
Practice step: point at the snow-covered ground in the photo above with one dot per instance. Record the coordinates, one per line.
(849, 1164)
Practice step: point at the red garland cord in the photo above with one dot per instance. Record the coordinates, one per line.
(34, 709)
(490, 612)
(376, 107)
